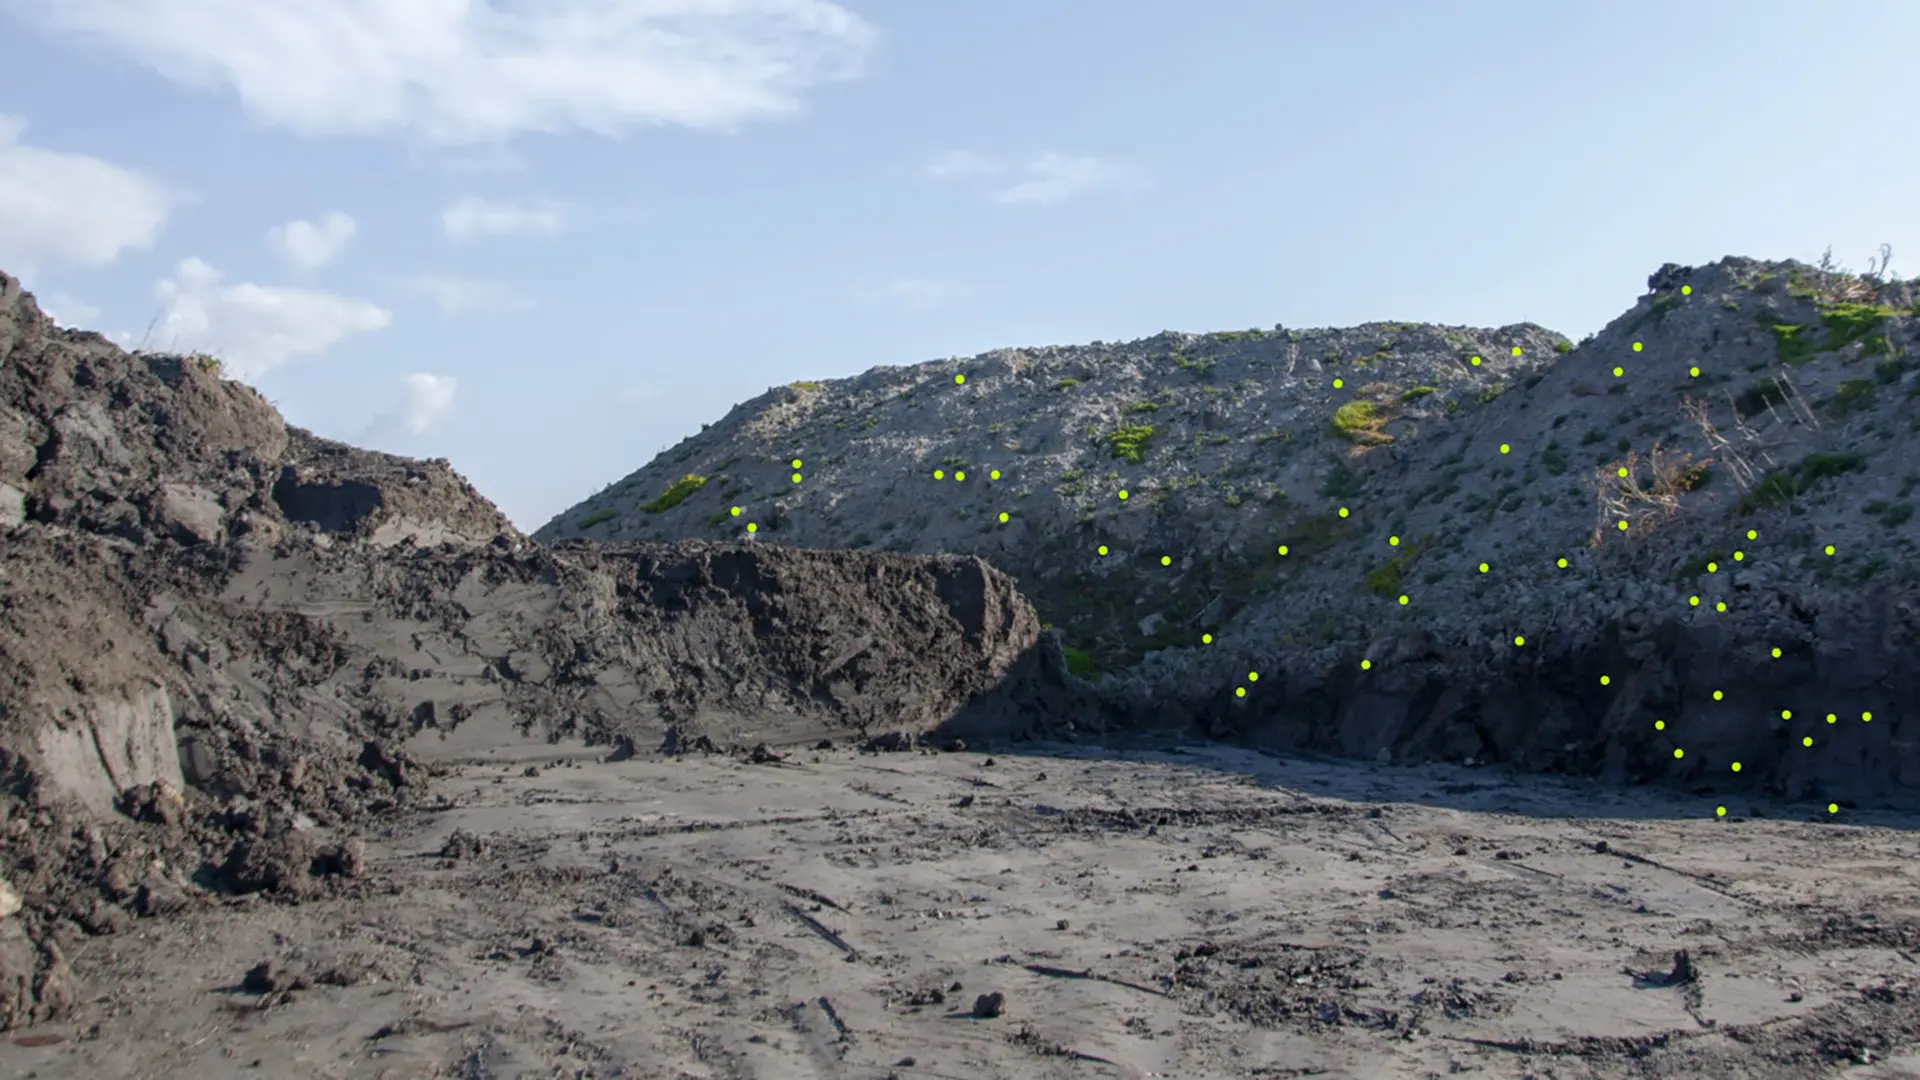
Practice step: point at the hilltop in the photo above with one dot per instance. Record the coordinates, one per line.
(1370, 519)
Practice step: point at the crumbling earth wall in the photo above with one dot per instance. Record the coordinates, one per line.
(229, 645)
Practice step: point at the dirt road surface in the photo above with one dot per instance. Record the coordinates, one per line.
(1159, 911)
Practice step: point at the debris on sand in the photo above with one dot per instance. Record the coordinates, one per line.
(989, 1006)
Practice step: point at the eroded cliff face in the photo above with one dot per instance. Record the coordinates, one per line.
(229, 645)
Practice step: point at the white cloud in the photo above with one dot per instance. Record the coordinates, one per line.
(1052, 178)
(255, 328)
(465, 71)
(67, 310)
(312, 244)
(70, 208)
(426, 403)
(471, 217)
(919, 294)
(957, 164)
(454, 296)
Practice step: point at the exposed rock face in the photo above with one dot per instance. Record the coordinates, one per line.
(1374, 521)
(230, 644)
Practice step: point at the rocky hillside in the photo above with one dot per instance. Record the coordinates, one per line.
(230, 647)
(1685, 542)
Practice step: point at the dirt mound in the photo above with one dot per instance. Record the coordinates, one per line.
(230, 646)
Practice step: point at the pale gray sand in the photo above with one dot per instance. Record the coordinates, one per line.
(1195, 914)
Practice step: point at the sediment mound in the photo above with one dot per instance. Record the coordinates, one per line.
(230, 645)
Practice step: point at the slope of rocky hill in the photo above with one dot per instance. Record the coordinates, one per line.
(1684, 543)
(229, 646)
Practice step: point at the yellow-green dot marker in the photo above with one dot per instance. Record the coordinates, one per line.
(994, 475)
(1636, 346)
(1283, 549)
(1003, 518)
(1829, 549)
(1563, 564)
(1516, 350)
(959, 380)
(1403, 601)
(1103, 549)
(939, 474)
(796, 478)
(1720, 811)
(1623, 470)
(752, 528)
(1679, 753)
(796, 463)
(1605, 680)
(1832, 719)
(1253, 676)
(1623, 526)
(1717, 695)
(1833, 808)
(1786, 714)
(1505, 449)
(1686, 290)
(1483, 568)
(1519, 641)
(1776, 652)
(1808, 741)
(1619, 371)
(1166, 560)
(1713, 568)
(1394, 540)
(1752, 535)
(959, 476)
(1206, 639)
(1239, 691)
(1739, 556)
(736, 511)
(1721, 607)
(1123, 493)
(1736, 766)
(1338, 383)
(1694, 600)
(1366, 665)
(1343, 511)
(1659, 725)
(1866, 718)
(1694, 371)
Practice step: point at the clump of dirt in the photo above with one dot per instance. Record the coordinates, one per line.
(231, 647)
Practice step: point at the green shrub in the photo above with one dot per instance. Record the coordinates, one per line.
(1082, 662)
(1360, 421)
(1563, 347)
(1130, 443)
(1414, 393)
(598, 517)
(676, 493)
(1066, 384)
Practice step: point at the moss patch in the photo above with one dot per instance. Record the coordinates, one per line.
(1130, 443)
(676, 493)
(1361, 421)
(598, 517)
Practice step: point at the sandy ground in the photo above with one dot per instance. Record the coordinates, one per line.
(1182, 912)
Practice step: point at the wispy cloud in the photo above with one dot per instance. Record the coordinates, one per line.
(67, 310)
(959, 164)
(312, 244)
(69, 208)
(474, 217)
(1053, 178)
(918, 294)
(426, 403)
(457, 296)
(255, 328)
(1044, 178)
(455, 71)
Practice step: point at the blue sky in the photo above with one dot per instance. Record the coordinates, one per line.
(548, 239)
